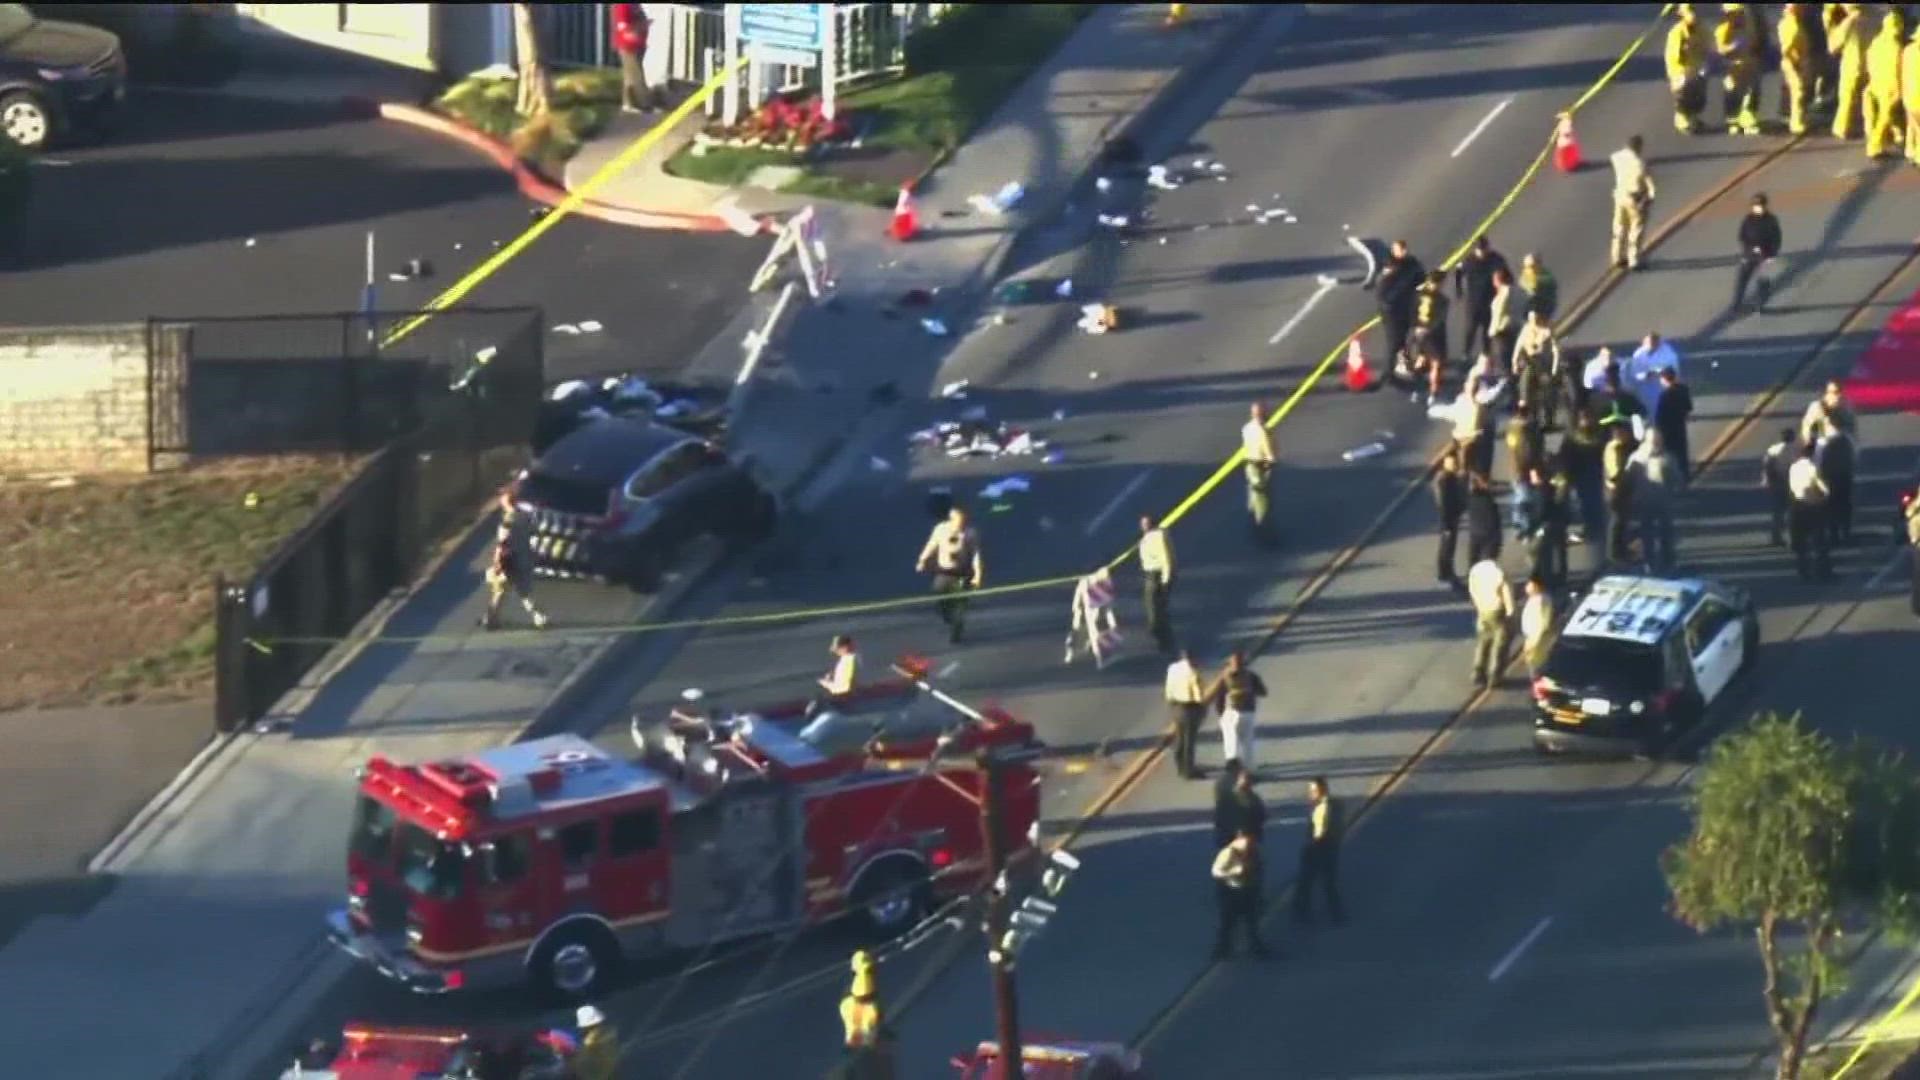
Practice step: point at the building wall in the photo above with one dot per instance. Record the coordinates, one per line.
(402, 34)
(74, 399)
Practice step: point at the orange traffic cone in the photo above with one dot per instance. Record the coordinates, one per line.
(1566, 146)
(906, 217)
(1360, 375)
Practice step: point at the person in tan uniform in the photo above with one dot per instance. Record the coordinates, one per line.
(952, 555)
(1882, 97)
(1847, 41)
(1796, 68)
(1733, 43)
(1686, 56)
(1256, 446)
(1633, 193)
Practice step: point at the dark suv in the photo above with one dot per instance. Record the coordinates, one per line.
(56, 77)
(613, 500)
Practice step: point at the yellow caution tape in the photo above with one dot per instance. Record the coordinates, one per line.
(1878, 1031)
(1168, 520)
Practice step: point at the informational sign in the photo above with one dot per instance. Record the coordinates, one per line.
(784, 33)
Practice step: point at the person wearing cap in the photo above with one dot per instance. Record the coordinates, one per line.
(599, 1055)
(507, 571)
(861, 1021)
(1759, 241)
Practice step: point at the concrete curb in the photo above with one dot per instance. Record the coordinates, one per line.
(532, 183)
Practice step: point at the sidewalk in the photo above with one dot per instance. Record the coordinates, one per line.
(217, 899)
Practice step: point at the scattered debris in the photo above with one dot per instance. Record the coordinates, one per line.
(1009, 195)
(1059, 414)
(273, 724)
(1064, 290)
(1158, 177)
(1099, 318)
(1093, 374)
(879, 464)
(934, 327)
(887, 393)
(566, 328)
(955, 390)
(590, 326)
(251, 241)
(1361, 453)
(1046, 524)
(1054, 457)
(999, 489)
(1115, 221)
(974, 412)
(999, 318)
(1103, 184)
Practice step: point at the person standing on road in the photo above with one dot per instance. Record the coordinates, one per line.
(1671, 411)
(630, 27)
(1474, 285)
(1493, 612)
(1428, 343)
(1156, 575)
(1582, 453)
(1618, 461)
(1633, 192)
(509, 572)
(1807, 518)
(1238, 873)
(1913, 546)
(1797, 68)
(599, 1055)
(1542, 288)
(1536, 367)
(1759, 242)
(1686, 57)
(1526, 451)
(1549, 547)
(1832, 404)
(952, 555)
(1320, 856)
(1656, 484)
(1484, 526)
(1641, 373)
(1774, 466)
(1249, 809)
(1910, 94)
(1504, 327)
(1836, 458)
(1473, 433)
(1847, 41)
(1536, 625)
(1882, 97)
(1188, 704)
(863, 1024)
(1450, 500)
(1226, 808)
(1237, 699)
(1399, 277)
(1733, 45)
(1256, 445)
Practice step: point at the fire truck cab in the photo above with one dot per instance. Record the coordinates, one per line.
(553, 861)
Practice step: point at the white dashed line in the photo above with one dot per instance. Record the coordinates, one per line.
(1484, 123)
(1513, 955)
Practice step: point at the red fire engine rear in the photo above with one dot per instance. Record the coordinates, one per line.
(553, 861)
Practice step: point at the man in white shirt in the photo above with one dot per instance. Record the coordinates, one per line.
(1633, 193)
(1156, 572)
(838, 682)
(1536, 625)
(1257, 446)
(1493, 609)
(1187, 700)
(1807, 517)
(1641, 376)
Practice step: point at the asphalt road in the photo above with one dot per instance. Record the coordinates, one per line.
(1352, 119)
(208, 204)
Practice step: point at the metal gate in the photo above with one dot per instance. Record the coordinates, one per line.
(169, 371)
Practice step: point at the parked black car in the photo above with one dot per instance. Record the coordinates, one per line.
(614, 499)
(56, 77)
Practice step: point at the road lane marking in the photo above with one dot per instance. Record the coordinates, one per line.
(1881, 574)
(1326, 286)
(1513, 955)
(1119, 500)
(1484, 123)
(952, 666)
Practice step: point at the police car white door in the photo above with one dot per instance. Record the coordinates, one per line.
(1716, 644)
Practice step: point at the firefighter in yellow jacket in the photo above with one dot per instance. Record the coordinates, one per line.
(1910, 95)
(1847, 41)
(1796, 67)
(867, 1052)
(1687, 70)
(1883, 85)
(1733, 44)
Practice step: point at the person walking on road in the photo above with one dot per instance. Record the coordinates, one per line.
(1537, 616)
(1733, 46)
(1484, 527)
(1656, 485)
(1238, 873)
(1188, 704)
(1156, 576)
(1541, 287)
(1836, 459)
(1237, 700)
(1536, 364)
(1256, 445)
(1474, 285)
(1450, 500)
(1633, 193)
(1797, 65)
(509, 572)
(1493, 613)
(630, 27)
(1881, 100)
(1320, 856)
(1832, 404)
(1774, 466)
(1686, 58)
(1618, 463)
(1505, 320)
(1759, 242)
(1671, 412)
(863, 1025)
(1807, 517)
(1427, 345)
(1847, 41)
(952, 555)
(1400, 277)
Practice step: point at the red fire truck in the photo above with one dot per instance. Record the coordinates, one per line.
(553, 861)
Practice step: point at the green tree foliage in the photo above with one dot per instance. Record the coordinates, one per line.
(1801, 840)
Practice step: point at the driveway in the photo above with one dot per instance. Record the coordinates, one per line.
(208, 204)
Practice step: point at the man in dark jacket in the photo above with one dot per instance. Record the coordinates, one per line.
(1773, 480)
(1759, 241)
(1227, 809)
(1549, 545)
(1400, 276)
(1483, 520)
(1450, 499)
(1670, 415)
(1473, 285)
(1836, 460)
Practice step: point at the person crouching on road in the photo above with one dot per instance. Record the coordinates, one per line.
(1093, 617)
(836, 686)
(952, 553)
(1236, 699)
(508, 572)
(1238, 877)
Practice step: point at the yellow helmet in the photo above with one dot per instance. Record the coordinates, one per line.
(862, 962)
(1732, 8)
(1686, 13)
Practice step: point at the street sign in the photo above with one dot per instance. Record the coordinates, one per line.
(790, 27)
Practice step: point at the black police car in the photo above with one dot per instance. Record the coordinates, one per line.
(56, 77)
(615, 498)
(1639, 662)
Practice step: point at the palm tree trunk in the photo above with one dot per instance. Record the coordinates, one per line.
(535, 89)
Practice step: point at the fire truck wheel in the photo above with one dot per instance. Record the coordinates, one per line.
(576, 961)
(892, 896)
